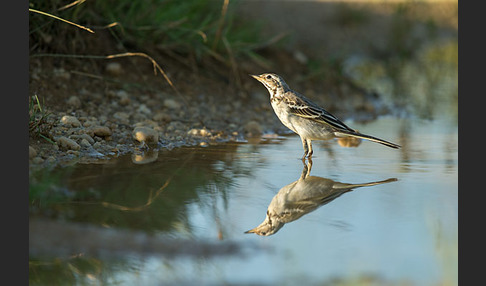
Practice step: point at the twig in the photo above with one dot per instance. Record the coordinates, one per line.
(217, 37)
(60, 19)
(150, 200)
(71, 5)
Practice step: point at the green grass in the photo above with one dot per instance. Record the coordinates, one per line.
(38, 125)
(198, 27)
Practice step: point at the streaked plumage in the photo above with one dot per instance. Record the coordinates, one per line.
(304, 117)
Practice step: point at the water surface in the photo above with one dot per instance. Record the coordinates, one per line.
(180, 217)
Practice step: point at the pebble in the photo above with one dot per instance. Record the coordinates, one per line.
(32, 152)
(145, 134)
(74, 102)
(37, 160)
(203, 132)
(84, 143)
(97, 145)
(68, 143)
(101, 131)
(252, 129)
(144, 109)
(349, 142)
(114, 68)
(70, 121)
(122, 117)
(83, 137)
(162, 117)
(124, 99)
(171, 104)
(62, 74)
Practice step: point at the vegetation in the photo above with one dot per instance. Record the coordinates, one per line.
(198, 28)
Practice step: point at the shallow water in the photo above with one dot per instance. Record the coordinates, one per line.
(181, 216)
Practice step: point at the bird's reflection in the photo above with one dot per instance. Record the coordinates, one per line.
(301, 197)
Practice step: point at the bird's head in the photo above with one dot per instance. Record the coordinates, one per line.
(268, 227)
(274, 83)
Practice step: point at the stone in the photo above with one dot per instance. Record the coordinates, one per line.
(101, 131)
(114, 68)
(83, 136)
(84, 143)
(37, 160)
(124, 98)
(203, 132)
(70, 121)
(252, 129)
(145, 134)
(67, 143)
(171, 104)
(123, 117)
(74, 102)
(144, 109)
(162, 117)
(32, 152)
(62, 74)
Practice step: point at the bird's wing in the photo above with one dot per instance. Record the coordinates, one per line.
(305, 108)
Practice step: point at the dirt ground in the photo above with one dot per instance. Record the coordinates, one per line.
(95, 105)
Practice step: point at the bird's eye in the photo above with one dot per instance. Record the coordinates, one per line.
(269, 76)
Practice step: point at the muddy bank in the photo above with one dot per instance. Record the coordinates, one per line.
(89, 119)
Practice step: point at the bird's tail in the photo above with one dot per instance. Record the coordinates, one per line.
(367, 137)
(340, 186)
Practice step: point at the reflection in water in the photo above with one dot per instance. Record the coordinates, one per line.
(302, 197)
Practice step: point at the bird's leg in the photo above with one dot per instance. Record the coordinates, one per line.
(306, 149)
(310, 152)
(307, 144)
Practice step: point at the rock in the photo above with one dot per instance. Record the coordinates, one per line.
(74, 102)
(199, 132)
(83, 137)
(124, 99)
(37, 160)
(97, 145)
(123, 117)
(252, 129)
(62, 74)
(84, 143)
(162, 117)
(101, 131)
(114, 68)
(171, 104)
(144, 109)
(32, 152)
(349, 142)
(70, 121)
(145, 134)
(67, 143)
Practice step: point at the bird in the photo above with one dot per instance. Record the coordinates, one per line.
(306, 118)
(302, 197)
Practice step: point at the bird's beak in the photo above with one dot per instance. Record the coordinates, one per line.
(250, 231)
(257, 77)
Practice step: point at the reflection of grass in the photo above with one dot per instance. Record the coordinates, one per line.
(69, 271)
(44, 190)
